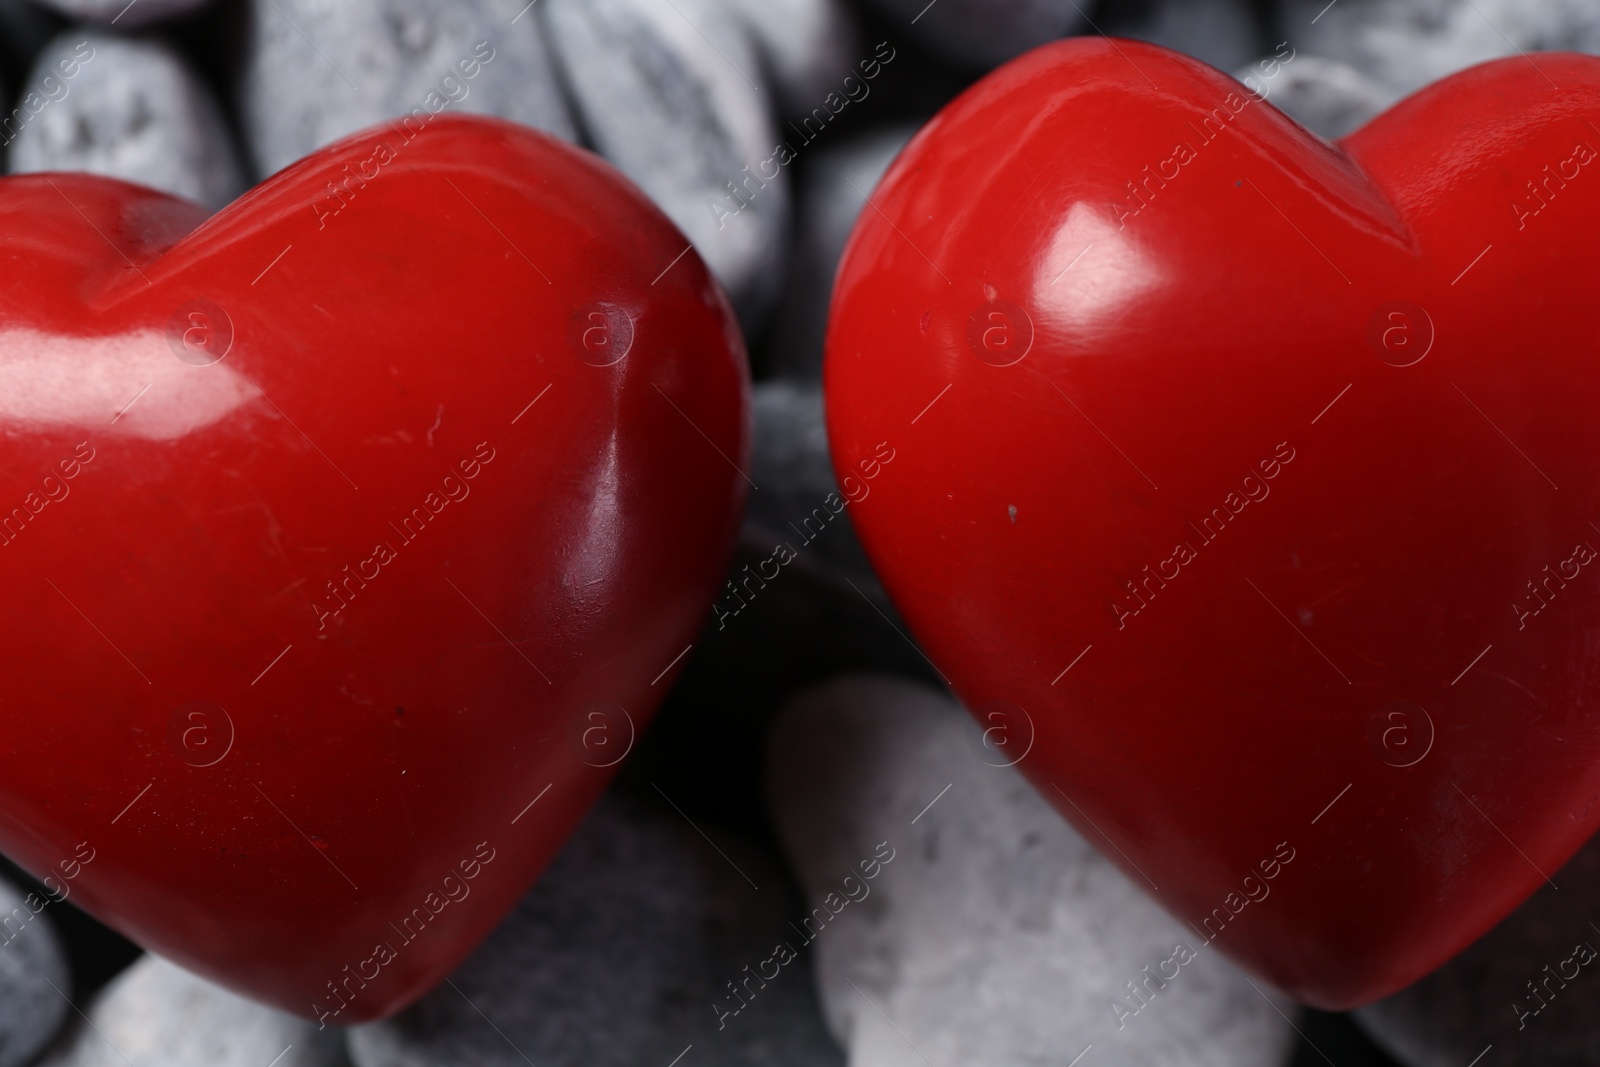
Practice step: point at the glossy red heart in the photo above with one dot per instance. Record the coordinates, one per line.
(1228, 466)
(347, 540)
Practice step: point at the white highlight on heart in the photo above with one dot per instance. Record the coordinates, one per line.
(1093, 271)
(70, 382)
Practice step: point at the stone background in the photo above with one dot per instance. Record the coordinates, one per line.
(806, 731)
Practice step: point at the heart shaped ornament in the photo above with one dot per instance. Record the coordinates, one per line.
(1249, 479)
(350, 535)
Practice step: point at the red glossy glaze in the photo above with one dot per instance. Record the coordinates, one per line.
(1076, 376)
(428, 346)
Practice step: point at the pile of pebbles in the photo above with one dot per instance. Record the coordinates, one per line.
(920, 907)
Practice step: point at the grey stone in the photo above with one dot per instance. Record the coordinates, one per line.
(1219, 32)
(997, 935)
(124, 14)
(674, 95)
(1327, 97)
(830, 202)
(800, 503)
(984, 33)
(134, 110)
(317, 70)
(1405, 44)
(619, 957)
(809, 46)
(31, 961)
(155, 1014)
(791, 443)
(1482, 996)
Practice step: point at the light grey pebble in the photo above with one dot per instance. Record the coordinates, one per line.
(1222, 33)
(1327, 97)
(619, 957)
(156, 1014)
(124, 14)
(984, 33)
(1405, 44)
(317, 70)
(674, 95)
(830, 202)
(997, 935)
(809, 47)
(133, 110)
(1523, 987)
(31, 961)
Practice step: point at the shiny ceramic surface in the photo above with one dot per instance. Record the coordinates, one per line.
(1251, 481)
(349, 538)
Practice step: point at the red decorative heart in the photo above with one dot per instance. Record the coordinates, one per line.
(347, 540)
(1228, 466)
